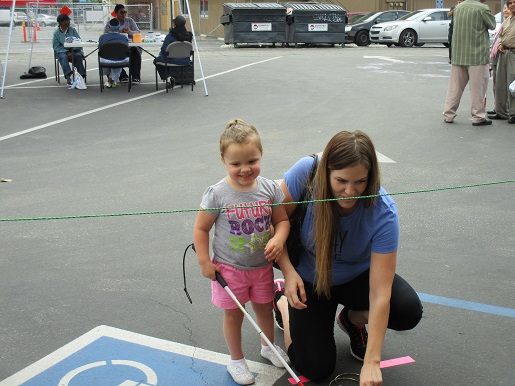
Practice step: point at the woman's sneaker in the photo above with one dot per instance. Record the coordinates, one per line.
(279, 291)
(269, 354)
(110, 85)
(358, 334)
(240, 373)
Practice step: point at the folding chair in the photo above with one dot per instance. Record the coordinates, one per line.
(114, 51)
(57, 67)
(181, 73)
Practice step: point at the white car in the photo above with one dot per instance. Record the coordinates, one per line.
(415, 28)
(47, 20)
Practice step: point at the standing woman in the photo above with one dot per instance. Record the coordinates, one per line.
(128, 26)
(348, 257)
(494, 52)
(177, 33)
(504, 101)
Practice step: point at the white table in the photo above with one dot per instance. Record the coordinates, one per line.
(94, 46)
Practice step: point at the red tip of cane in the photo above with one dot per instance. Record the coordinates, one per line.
(300, 383)
(113, 14)
(66, 10)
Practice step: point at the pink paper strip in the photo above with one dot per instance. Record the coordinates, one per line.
(294, 382)
(396, 362)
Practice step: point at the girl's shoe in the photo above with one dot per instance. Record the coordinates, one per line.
(269, 354)
(110, 85)
(240, 373)
(279, 291)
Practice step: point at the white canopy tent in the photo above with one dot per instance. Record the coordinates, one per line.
(11, 25)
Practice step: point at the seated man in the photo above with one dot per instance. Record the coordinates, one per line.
(113, 35)
(66, 55)
(128, 26)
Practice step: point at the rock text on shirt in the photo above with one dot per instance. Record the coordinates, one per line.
(247, 219)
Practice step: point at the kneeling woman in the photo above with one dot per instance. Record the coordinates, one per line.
(348, 257)
(177, 33)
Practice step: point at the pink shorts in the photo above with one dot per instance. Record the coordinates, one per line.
(256, 285)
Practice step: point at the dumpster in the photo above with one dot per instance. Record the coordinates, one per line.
(315, 23)
(253, 23)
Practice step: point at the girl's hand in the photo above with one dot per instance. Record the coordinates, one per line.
(371, 375)
(208, 270)
(273, 250)
(294, 290)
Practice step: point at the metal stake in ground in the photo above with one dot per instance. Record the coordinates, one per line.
(223, 283)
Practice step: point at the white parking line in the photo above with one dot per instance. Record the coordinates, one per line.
(119, 103)
(387, 59)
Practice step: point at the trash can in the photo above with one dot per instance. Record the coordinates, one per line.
(254, 23)
(315, 23)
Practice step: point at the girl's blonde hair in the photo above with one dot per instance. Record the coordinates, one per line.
(345, 149)
(238, 131)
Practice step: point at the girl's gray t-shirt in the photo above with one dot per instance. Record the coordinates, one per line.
(242, 228)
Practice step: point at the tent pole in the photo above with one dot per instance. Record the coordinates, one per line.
(8, 48)
(196, 47)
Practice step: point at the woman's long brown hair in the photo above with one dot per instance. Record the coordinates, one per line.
(345, 149)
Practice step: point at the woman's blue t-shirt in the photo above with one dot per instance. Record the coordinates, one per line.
(374, 229)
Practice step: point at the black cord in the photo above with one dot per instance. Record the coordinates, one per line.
(184, 270)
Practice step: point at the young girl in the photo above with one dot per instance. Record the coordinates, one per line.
(243, 246)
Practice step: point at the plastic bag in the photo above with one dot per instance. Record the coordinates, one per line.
(512, 88)
(78, 81)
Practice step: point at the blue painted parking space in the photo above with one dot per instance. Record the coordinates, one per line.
(107, 356)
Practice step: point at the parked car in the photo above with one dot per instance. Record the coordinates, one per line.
(355, 16)
(46, 20)
(359, 32)
(5, 17)
(416, 28)
(20, 17)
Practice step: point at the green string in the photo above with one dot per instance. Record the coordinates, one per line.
(287, 203)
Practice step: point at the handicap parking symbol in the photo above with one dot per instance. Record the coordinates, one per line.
(108, 356)
(150, 375)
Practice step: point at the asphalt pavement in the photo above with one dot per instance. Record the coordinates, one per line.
(81, 152)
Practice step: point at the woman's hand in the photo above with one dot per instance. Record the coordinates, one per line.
(125, 30)
(370, 375)
(294, 290)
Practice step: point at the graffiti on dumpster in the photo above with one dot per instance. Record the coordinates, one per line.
(328, 17)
